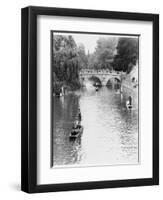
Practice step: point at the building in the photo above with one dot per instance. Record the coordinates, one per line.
(130, 85)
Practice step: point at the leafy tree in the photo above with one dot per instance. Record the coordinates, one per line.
(127, 54)
(92, 61)
(106, 43)
(65, 61)
(82, 57)
(104, 53)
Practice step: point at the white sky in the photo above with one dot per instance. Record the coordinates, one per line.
(88, 40)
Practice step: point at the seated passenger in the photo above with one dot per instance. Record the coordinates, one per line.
(78, 126)
(74, 132)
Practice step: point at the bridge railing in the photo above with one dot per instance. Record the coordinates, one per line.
(93, 71)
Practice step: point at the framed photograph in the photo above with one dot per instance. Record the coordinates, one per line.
(90, 99)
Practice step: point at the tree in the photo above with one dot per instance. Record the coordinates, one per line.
(92, 61)
(82, 57)
(65, 61)
(127, 54)
(104, 53)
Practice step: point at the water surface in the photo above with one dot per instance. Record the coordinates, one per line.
(110, 135)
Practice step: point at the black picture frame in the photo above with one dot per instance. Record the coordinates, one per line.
(29, 99)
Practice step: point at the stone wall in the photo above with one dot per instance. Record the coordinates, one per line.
(130, 86)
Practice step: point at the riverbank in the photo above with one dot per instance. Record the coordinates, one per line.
(67, 85)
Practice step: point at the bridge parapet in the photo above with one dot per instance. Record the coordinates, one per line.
(102, 72)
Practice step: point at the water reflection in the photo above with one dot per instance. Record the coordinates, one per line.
(110, 133)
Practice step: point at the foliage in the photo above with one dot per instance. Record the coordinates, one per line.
(67, 59)
(104, 53)
(127, 54)
(92, 61)
(82, 57)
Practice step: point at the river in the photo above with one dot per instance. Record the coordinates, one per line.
(110, 135)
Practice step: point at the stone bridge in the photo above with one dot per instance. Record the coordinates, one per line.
(103, 76)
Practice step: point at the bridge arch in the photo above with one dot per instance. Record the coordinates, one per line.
(95, 79)
(115, 79)
(113, 82)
